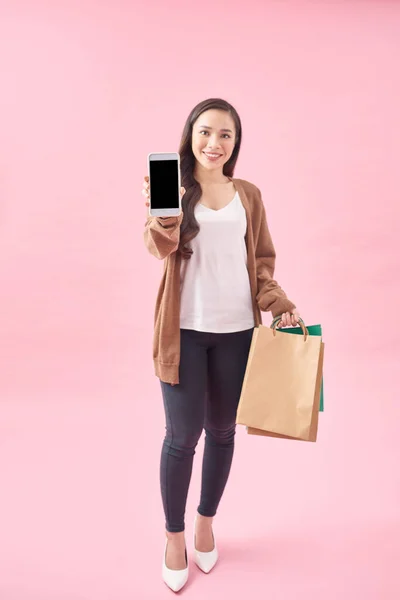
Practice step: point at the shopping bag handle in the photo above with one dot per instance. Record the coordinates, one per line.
(277, 320)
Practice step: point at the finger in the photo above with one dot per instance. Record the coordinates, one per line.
(146, 178)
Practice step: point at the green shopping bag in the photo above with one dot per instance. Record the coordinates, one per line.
(312, 330)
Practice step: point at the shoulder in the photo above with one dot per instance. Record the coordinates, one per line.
(253, 193)
(249, 188)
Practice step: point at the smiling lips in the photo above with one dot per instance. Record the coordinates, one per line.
(212, 156)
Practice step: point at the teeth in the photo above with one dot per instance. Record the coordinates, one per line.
(211, 155)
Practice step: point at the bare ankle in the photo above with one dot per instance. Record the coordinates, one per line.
(177, 536)
(202, 520)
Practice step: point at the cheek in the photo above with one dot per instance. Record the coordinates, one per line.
(229, 148)
(197, 144)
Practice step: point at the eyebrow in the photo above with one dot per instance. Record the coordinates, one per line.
(206, 127)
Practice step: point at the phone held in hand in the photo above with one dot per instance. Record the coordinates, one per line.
(165, 184)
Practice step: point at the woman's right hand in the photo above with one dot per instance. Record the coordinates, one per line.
(146, 190)
(146, 194)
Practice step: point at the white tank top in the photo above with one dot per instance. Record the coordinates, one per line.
(215, 284)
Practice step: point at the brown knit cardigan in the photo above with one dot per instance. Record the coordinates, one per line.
(161, 237)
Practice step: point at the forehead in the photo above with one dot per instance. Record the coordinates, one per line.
(216, 119)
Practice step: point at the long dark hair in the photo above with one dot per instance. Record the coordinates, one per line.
(189, 226)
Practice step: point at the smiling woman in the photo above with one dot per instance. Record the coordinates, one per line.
(214, 141)
(212, 128)
(206, 129)
(218, 275)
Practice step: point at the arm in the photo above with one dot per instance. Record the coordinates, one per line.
(270, 296)
(162, 235)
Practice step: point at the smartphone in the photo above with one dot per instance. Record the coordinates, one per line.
(165, 184)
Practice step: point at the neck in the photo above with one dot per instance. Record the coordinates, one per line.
(205, 177)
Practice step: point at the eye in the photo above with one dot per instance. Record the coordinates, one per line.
(227, 134)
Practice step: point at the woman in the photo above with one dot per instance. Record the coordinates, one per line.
(219, 265)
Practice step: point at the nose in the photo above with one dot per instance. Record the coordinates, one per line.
(213, 144)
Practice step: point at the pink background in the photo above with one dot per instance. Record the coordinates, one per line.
(87, 90)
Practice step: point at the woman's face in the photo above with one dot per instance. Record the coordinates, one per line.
(213, 133)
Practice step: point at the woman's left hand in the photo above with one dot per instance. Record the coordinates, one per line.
(289, 319)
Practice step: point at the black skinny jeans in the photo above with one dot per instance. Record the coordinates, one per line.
(211, 372)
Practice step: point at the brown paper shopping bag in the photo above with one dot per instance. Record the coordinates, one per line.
(282, 384)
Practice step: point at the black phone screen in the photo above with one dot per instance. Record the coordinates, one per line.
(164, 184)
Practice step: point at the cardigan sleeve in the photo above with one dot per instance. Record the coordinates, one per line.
(270, 296)
(162, 235)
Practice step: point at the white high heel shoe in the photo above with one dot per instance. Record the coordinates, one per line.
(204, 560)
(175, 579)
